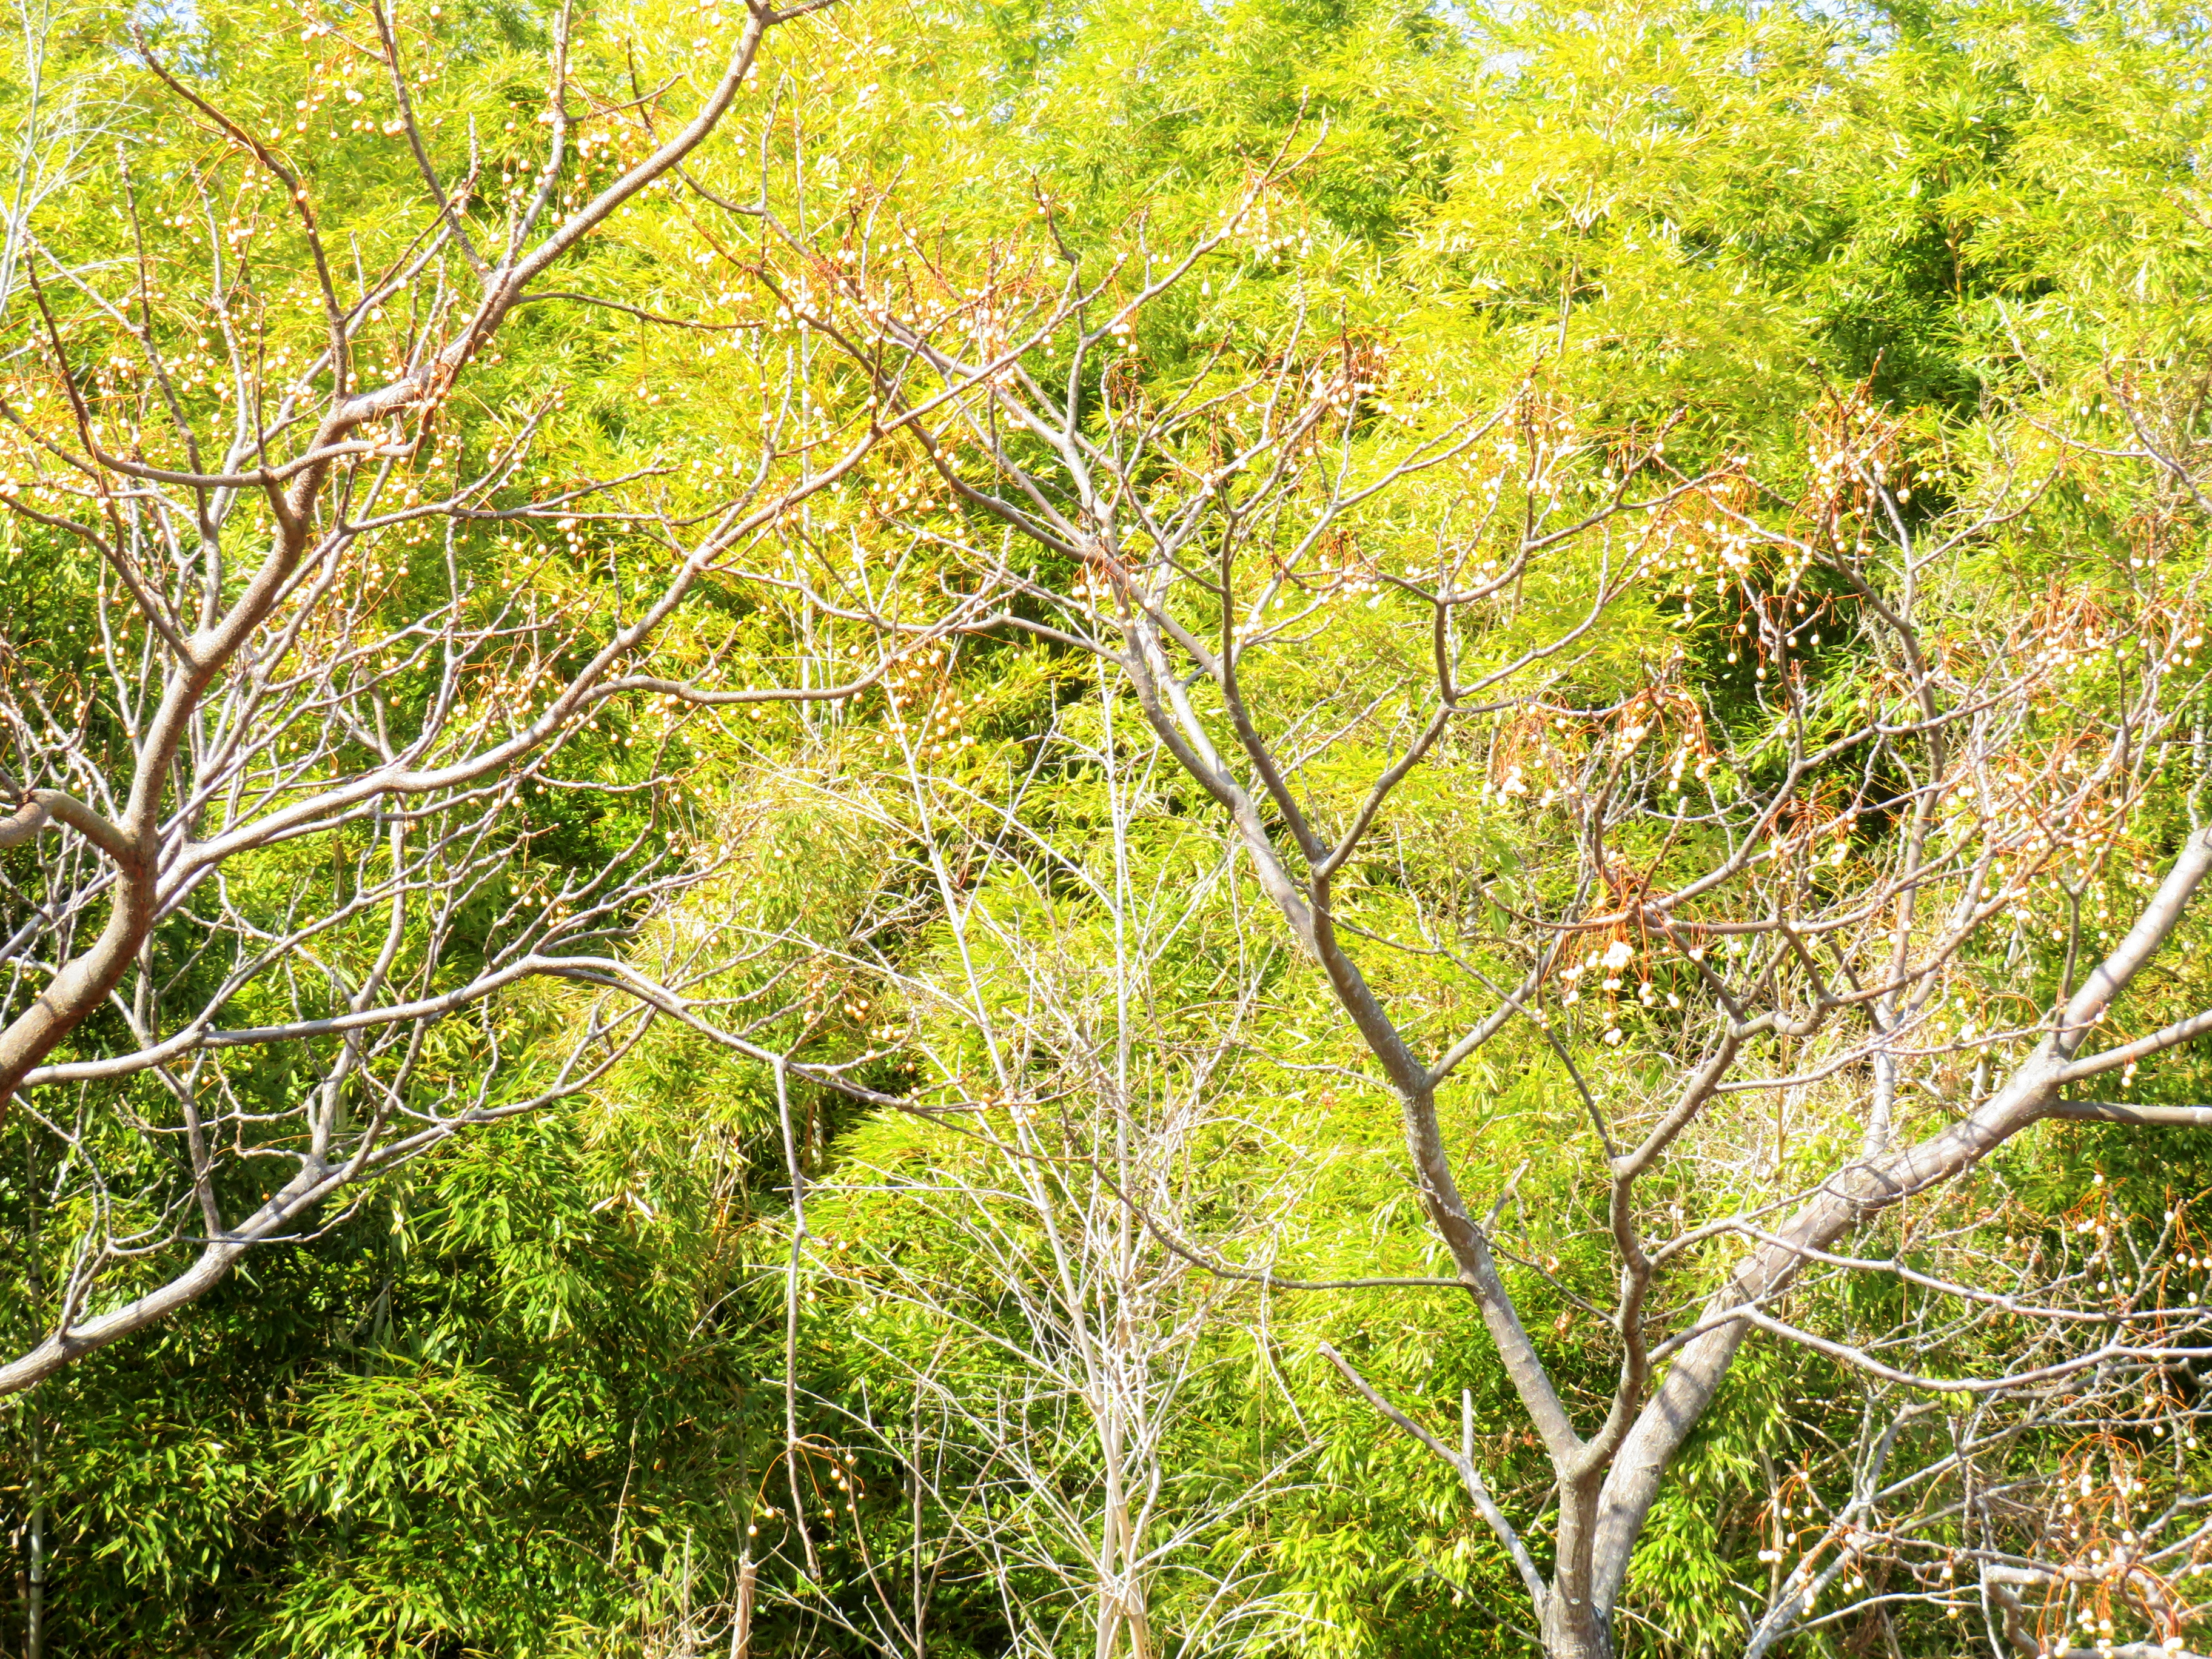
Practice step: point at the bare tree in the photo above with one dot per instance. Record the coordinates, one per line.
(1890, 875)
(326, 672)
(1033, 1375)
(2048, 1500)
(1885, 875)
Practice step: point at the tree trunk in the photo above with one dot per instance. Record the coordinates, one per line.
(1575, 1629)
(35, 1613)
(1575, 1622)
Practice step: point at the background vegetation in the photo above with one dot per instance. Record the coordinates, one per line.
(528, 1395)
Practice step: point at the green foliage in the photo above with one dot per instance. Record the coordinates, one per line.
(525, 1398)
(487, 1413)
